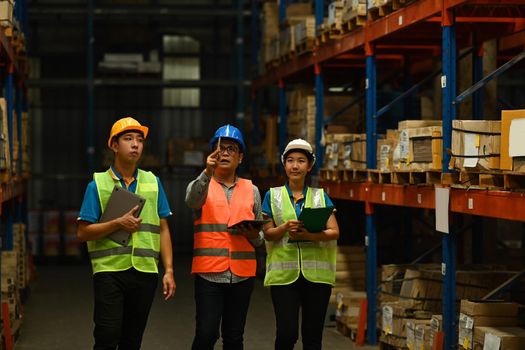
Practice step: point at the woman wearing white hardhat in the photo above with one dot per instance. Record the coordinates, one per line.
(300, 266)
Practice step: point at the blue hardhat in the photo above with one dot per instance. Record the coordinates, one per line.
(229, 132)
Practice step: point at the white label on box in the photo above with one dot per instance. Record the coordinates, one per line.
(388, 314)
(384, 152)
(471, 148)
(491, 342)
(466, 324)
(471, 203)
(410, 335)
(347, 155)
(404, 144)
(516, 139)
(366, 83)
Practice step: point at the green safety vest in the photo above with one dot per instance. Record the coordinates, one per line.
(143, 249)
(285, 260)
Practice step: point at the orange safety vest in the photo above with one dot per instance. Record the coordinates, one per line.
(216, 248)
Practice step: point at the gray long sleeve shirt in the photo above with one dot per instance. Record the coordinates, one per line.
(196, 194)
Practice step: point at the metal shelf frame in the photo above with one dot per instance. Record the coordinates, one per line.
(385, 37)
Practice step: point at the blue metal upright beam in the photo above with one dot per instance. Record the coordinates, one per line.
(239, 74)
(255, 66)
(371, 236)
(91, 89)
(319, 14)
(477, 75)
(282, 12)
(319, 116)
(448, 84)
(283, 134)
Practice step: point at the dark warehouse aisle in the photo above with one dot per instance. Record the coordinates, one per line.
(58, 315)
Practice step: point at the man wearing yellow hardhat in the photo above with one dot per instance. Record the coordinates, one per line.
(125, 277)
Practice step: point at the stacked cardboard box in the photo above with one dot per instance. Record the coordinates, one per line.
(348, 308)
(5, 155)
(344, 11)
(509, 338)
(10, 294)
(512, 146)
(337, 151)
(480, 314)
(301, 117)
(269, 31)
(20, 249)
(385, 150)
(419, 145)
(472, 138)
(6, 13)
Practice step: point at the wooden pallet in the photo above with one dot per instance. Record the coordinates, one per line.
(345, 330)
(331, 174)
(416, 177)
(380, 177)
(323, 37)
(392, 342)
(480, 180)
(305, 47)
(380, 11)
(514, 181)
(342, 29)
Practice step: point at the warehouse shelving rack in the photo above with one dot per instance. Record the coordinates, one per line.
(427, 25)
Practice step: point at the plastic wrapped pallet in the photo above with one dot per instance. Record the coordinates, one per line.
(476, 144)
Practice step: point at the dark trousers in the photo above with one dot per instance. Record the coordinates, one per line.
(122, 303)
(224, 306)
(312, 299)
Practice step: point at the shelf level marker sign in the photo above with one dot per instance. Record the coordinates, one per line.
(471, 203)
(400, 20)
(442, 208)
(351, 193)
(419, 198)
(383, 196)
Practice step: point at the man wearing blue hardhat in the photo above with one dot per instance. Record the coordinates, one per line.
(224, 261)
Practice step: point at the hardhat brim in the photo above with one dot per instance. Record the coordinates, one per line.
(143, 129)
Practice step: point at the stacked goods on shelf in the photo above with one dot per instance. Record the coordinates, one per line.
(269, 32)
(476, 144)
(385, 150)
(295, 13)
(508, 338)
(301, 117)
(302, 32)
(71, 243)
(345, 151)
(15, 273)
(344, 12)
(349, 285)
(6, 13)
(512, 142)
(474, 318)
(187, 152)
(411, 294)
(16, 144)
(419, 145)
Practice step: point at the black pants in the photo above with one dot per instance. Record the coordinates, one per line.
(122, 303)
(216, 302)
(313, 299)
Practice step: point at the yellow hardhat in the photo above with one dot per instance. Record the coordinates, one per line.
(126, 124)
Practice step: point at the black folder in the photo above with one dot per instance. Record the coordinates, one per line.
(120, 202)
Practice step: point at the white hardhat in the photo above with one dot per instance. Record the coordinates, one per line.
(301, 146)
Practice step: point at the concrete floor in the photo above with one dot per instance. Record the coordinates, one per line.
(58, 315)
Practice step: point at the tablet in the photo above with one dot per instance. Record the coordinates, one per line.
(258, 224)
(120, 202)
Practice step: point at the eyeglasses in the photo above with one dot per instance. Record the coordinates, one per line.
(228, 149)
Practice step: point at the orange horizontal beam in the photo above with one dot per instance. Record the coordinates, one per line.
(480, 19)
(489, 203)
(512, 41)
(348, 56)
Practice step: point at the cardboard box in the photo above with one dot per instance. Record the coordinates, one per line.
(476, 137)
(467, 324)
(510, 338)
(489, 308)
(506, 161)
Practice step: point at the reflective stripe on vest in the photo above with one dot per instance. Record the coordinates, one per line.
(285, 260)
(143, 250)
(217, 248)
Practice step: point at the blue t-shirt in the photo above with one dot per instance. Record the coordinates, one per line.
(91, 210)
(267, 207)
